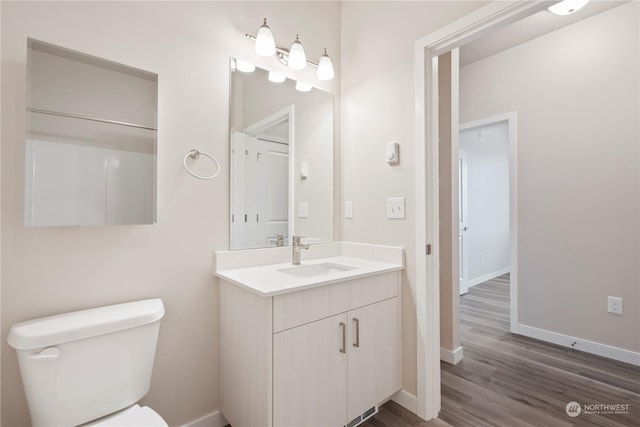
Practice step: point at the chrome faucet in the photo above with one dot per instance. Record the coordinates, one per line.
(279, 240)
(296, 247)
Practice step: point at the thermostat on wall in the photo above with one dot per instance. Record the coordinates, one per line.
(392, 153)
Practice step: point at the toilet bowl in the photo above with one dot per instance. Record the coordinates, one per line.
(90, 367)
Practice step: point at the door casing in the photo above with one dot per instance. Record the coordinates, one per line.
(496, 14)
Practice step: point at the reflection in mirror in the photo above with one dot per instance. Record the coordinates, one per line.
(90, 149)
(281, 161)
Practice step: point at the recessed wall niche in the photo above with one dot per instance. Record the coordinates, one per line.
(91, 140)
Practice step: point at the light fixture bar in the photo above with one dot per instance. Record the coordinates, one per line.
(281, 51)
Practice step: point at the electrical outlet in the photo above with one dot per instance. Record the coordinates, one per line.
(614, 305)
(395, 208)
(348, 209)
(303, 210)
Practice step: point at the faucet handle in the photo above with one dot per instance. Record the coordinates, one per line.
(296, 239)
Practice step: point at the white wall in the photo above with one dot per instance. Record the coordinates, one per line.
(52, 270)
(486, 151)
(378, 107)
(576, 93)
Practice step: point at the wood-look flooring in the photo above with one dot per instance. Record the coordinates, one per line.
(510, 380)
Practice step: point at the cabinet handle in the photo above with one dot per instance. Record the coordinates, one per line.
(357, 322)
(343, 326)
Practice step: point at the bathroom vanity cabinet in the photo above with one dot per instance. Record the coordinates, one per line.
(324, 356)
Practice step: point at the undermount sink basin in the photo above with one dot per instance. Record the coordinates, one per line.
(316, 269)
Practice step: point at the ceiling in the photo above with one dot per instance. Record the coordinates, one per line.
(527, 29)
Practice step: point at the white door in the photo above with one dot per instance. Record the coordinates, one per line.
(272, 185)
(463, 222)
(485, 199)
(310, 374)
(259, 191)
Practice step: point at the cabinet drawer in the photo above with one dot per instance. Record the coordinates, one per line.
(298, 308)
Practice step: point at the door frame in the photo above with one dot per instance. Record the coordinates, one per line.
(474, 25)
(511, 121)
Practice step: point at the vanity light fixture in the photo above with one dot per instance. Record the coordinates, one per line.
(303, 87)
(294, 57)
(297, 58)
(276, 77)
(567, 7)
(265, 45)
(244, 66)
(325, 67)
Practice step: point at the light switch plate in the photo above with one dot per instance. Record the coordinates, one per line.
(303, 210)
(396, 208)
(348, 209)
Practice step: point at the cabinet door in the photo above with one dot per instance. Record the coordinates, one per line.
(374, 355)
(310, 374)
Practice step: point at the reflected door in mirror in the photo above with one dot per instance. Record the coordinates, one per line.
(260, 191)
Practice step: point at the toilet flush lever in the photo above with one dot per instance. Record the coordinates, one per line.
(48, 353)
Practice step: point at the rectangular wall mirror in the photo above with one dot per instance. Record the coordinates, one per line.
(90, 149)
(281, 160)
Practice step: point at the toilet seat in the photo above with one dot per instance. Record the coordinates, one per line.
(133, 416)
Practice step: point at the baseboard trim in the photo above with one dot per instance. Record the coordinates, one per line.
(214, 419)
(488, 276)
(604, 350)
(407, 400)
(451, 357)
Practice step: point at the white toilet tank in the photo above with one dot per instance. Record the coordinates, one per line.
(83, 365)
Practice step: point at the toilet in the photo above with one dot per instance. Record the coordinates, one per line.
(90, 367)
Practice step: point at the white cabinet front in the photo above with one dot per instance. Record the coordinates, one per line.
(322, 357)
(332, 372)
(310, 374)
(374, 359)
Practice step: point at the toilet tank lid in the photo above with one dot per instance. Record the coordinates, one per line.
(66, 327)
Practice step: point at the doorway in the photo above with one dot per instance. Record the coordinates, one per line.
(484, 201)
(427, 49)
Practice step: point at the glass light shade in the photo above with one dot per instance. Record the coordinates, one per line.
(297, 58)
(325, 67)
(265, 45)
(303, 87)
(276, 77)
(567, 7)
(244, 66)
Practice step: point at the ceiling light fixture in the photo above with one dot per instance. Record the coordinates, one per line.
(295, 57)
(567, 7)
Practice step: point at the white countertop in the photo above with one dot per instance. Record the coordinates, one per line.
(267, 280)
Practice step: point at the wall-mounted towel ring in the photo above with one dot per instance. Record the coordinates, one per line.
(194, 154)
